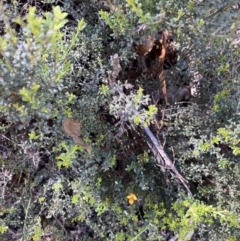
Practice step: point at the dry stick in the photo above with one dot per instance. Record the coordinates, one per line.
(163, 160)
(165, 163)
(161, 60)
(60, 224)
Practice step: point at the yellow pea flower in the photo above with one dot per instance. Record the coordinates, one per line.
(131, 198)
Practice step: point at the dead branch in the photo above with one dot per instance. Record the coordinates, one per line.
(163, 160)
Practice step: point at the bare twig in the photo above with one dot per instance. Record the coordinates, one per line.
(61, 225)
(221, 9)
(163, 160)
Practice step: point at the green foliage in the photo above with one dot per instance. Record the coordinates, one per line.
(53, 68)
(136, 7)
(65, 159)
(131, 106)
(192, 213)
(117, 21)
(3, 229)
(37, 234)
(40, 44)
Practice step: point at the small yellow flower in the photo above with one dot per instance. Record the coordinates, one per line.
(131, 198)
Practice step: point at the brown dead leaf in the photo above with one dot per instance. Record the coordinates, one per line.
(81, 143)
(72, 128)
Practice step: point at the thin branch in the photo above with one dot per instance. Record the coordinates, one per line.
(163, 160)
(60, 224)
(220, 10)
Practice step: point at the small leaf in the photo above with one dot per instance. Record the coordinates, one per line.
(3, 229)
(104, 89)
(137, 120)
(32, 135)
(81, 25)
(75, 198)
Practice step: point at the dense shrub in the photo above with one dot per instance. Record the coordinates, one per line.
(76, 160)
